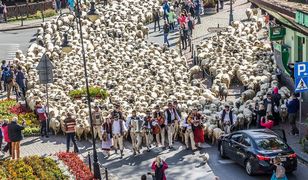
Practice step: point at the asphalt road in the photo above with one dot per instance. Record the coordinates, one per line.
(11, 41)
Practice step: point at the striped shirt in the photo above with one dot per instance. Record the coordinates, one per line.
(70, 124)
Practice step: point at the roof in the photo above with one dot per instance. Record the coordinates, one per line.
(259, 133)
(291, 6)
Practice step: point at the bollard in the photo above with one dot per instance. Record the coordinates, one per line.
(192, 51)
(89, 158)
(106, 173)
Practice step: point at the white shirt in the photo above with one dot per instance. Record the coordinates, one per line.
(116, 129)
(129, 119)
(185, 124)
(227, 117)
(173, 115)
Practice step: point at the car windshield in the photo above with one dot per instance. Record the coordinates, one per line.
(271, 144)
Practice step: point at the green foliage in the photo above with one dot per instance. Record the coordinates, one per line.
(93, 91)
(30, 131)
(32, 167)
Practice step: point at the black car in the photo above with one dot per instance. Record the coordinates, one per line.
(255, 150)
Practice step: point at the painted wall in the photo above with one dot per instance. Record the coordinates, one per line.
(291, 40)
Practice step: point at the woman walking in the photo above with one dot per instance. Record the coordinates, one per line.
(107, 136)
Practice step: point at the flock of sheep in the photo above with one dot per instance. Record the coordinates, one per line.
(140, 75)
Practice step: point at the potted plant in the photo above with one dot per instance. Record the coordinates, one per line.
(209, 7)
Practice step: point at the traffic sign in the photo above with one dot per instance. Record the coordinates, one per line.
(217, 29)
(301, 76)
(45, 70)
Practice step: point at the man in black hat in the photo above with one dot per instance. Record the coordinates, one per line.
(158, 116)
(228, 119)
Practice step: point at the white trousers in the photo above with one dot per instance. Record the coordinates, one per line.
(170, 131)
(98, 132)
(118, 141)
(162, 135)
(136, 140)
(189, 134)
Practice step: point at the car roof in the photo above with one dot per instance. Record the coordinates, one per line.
(259, 133)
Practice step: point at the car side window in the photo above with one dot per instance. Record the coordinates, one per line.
(246, 141)
(236, 137)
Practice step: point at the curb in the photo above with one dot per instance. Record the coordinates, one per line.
(20, 28)
(303, 160)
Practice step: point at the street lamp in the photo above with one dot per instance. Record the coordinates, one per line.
(231, 12)
(66, 48)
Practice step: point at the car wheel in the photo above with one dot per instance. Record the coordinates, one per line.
(222, 151)
(248, 167)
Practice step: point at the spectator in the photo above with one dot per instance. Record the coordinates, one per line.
(20, 80)
(221, 4)
(42, 117)
(183, 34)
(260, 113)
(166, 8)
(190, 24)
(267, 121)
(58, 6)
(1, 12)
(182, 19)
(268, 104)
(144, 177)
(171, 19)
(2, 84)
(278, 73)
(293, 107)
(69, 125)
(8, 146)
(1, 137)
(156, 19)
(279, 172)
(15, 135)
(197, 11)
(159, 166)
(9, 81)
(276, 97)
(166, 33)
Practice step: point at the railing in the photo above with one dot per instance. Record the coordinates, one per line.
(101, 166)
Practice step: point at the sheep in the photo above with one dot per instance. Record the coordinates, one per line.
(217, 133)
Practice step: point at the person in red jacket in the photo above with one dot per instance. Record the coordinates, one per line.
(8, 146)
(159, 166)
(267, 122)
(42, 116)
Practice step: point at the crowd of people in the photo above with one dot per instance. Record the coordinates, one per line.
(12, 80)
(181, 15)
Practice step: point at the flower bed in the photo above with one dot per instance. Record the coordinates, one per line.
(32, 167)
(95, 92)
(78, 168)
(10, 109)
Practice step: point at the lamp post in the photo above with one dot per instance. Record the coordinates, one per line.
(92, 16)
(231, 12)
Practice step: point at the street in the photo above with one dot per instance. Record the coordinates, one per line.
(183, 164)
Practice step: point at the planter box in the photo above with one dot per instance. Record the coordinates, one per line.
(210, 11)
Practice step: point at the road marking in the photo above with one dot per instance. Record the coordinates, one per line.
(226, 161)
(11, 50)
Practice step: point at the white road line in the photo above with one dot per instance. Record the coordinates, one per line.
(12, 48)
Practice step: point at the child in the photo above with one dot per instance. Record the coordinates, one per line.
(279, 173)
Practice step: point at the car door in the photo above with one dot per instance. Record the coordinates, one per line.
(242, 149)
(231, 150)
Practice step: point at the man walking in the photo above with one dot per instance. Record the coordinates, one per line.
(15, 135)
(118, 130)
(166, 33)
(135, 123)
(221, 4)
(20, 80)
(293, 108)
(197, 11)
(97, 122)
(156, 19)
(42, 116)
(148, 128)
(70, 124)
(158, 117)
(170, 117)
(228, 119)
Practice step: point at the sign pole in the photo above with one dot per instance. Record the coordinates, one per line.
(300, 107)
(46, 85)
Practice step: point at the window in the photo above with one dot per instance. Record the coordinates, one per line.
(271, 144)
(246, 141)
(236, 137)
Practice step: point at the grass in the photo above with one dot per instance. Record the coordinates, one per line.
(37, 15)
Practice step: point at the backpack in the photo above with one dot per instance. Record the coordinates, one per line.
(8, 76)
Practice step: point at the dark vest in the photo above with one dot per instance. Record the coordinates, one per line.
(169, 120)
(224, 114)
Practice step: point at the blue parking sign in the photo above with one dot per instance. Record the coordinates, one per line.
(301, 76)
